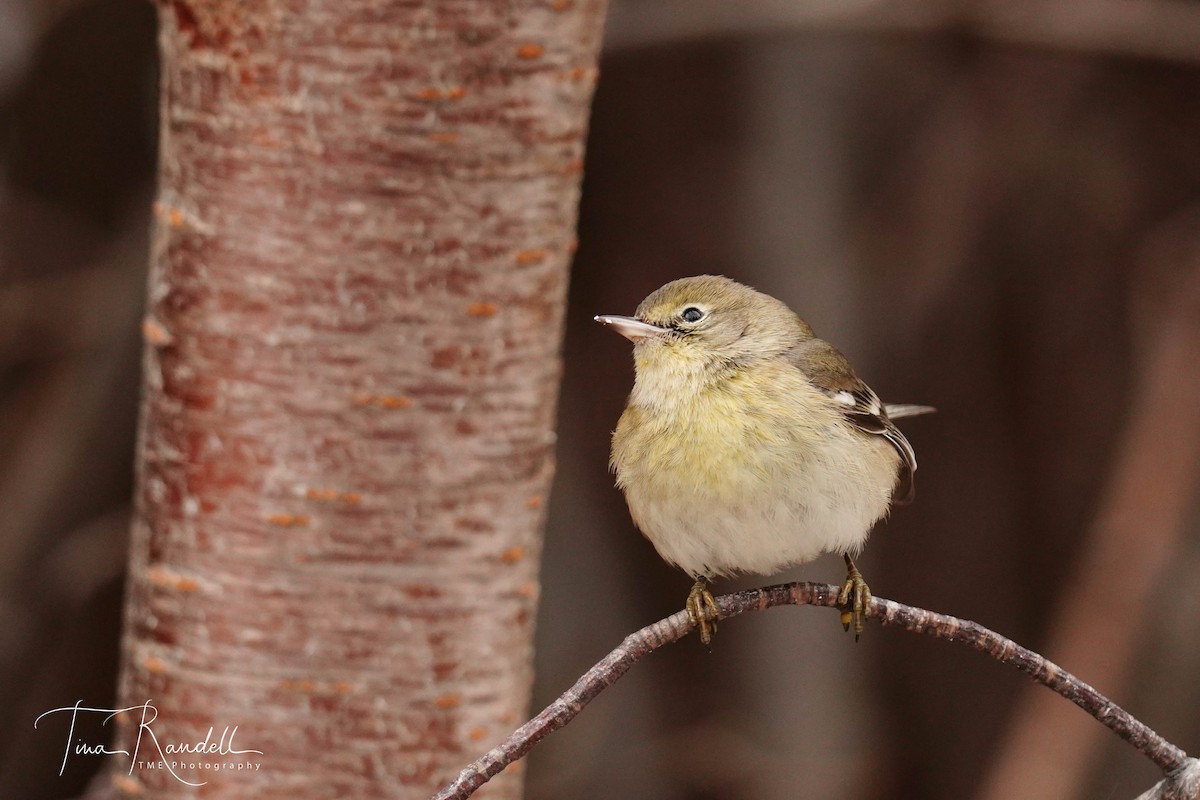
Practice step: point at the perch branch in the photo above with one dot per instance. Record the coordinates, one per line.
(1153, 29)
(636, 646)
(1181, 784)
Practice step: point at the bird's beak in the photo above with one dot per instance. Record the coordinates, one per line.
(631, 328)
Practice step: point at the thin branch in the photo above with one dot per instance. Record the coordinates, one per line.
(637, 645)
(1181, 784)
(1141, 520)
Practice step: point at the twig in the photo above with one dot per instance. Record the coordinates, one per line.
(1141, 519)
(1182, 784)
(637, 645)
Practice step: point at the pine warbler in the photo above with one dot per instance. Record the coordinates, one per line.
(748, 444)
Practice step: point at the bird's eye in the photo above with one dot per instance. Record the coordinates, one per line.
(692, 314)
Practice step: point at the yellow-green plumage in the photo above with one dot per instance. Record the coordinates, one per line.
(747, 445)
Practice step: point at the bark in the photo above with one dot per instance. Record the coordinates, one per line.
(365, 218)
(1182, 784)
(1174, 762)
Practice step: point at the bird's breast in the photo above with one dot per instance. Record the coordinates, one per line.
(750, 477)
(728, 439)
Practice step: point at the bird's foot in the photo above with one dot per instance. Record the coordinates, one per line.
(854, 599)
(702, 608)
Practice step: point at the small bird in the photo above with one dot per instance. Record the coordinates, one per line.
(749, 445)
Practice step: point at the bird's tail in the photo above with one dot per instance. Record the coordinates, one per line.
(902, 410)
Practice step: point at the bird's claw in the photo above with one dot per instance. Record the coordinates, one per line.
(854, 599)
(702, 608)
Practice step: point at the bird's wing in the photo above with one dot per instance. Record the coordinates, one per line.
(828, 370)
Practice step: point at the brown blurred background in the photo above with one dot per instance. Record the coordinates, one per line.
(992, 208)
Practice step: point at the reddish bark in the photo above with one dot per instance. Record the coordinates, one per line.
(365, 218)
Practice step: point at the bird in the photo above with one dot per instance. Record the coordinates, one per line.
(748, 444)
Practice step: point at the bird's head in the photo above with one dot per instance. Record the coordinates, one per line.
(705, 325)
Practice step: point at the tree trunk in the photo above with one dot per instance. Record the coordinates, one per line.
(365, 218)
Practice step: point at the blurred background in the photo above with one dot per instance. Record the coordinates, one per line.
(991, 207)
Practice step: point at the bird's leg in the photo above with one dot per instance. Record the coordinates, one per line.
(854, 598)
(702, 608)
